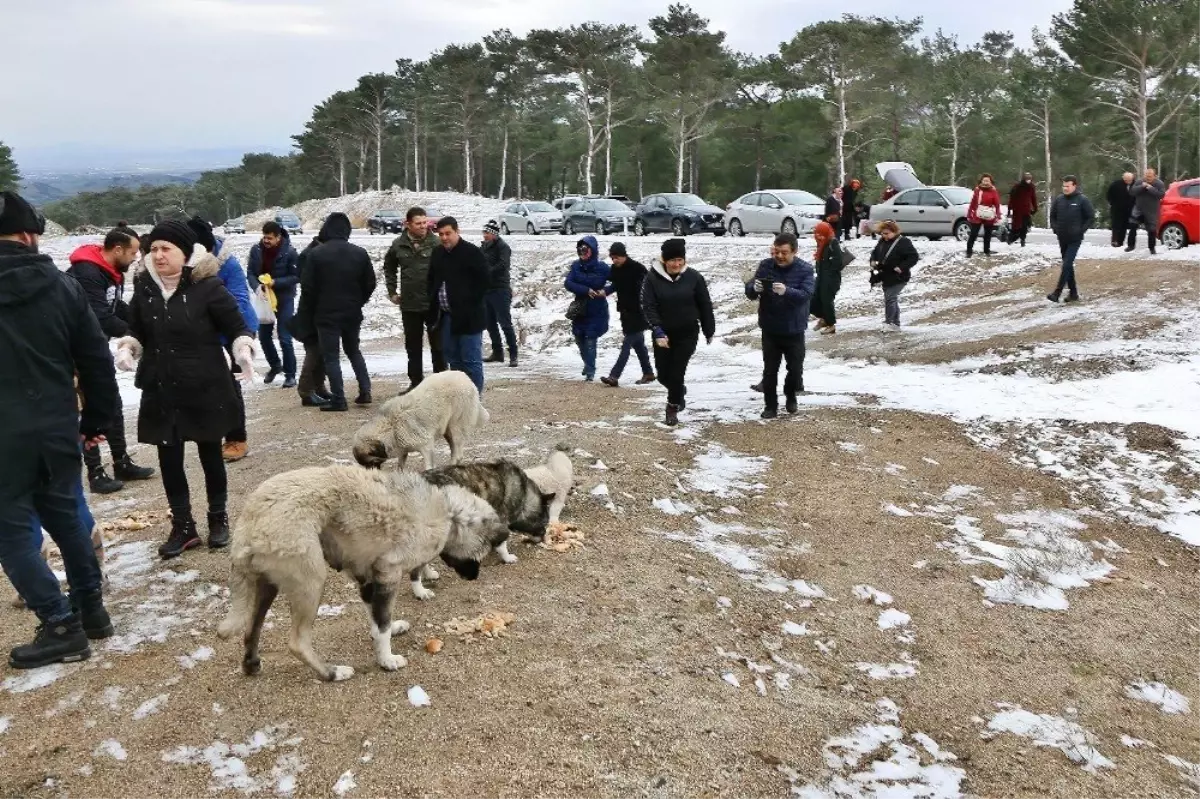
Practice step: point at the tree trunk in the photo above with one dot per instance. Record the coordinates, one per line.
(416, 154)
(953, 147)
(681, 148)
(586, 168)
(341, 171)
(608, 131)
(503, 166)
(695, 176)
(1141, 123)
(1178, 137)
(466, 147)
(379, 153)
(843, 129)
(758, 155)
(1046, 147)
(641, 184)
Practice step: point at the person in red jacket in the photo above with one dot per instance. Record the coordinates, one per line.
(984, 212)
(1022, 205)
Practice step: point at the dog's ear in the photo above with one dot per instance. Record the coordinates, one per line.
(467, 569)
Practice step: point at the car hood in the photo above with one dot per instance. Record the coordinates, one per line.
(899, 175)
(545, 214)
(703, 209)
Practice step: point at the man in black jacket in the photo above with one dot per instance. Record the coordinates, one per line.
(626, 280)
(458, 280)
(48, 335)
(1120, 207)
(100, 270)
(341, 278)
(499, 294)
(1071, 215)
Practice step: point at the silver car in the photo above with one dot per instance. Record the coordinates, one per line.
(530, 217)
(920, 210)
(774, 211)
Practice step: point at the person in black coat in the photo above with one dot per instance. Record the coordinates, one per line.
(833, 209)
(1120, 208)
(891, 266)
(677, 306)
(311, 383)
(340, 277)
(626, 280)
(458, 280)
(498, 298)
(48, 336)
(178, 315)
(849, 219)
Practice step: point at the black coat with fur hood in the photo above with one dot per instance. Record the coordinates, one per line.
(187, 392)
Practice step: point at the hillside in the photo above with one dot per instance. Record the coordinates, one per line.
(470, 210)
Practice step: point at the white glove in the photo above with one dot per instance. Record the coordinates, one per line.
(243, 356)
(124, 360)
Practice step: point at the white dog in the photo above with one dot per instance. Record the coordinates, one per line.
(445, 405)
(556, 476)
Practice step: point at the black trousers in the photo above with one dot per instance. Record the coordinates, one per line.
(416, 325)
(1134, 227)
(312, 371)
(1122, 229)
(116, 441)
(671, 362)
(170, 464)
(333, 340)
(987, 237)
(777, 349)
(238, 433)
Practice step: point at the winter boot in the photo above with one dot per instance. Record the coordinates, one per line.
(364, 398)
(183, 537)
(314, 400)
(100, 483)
(769, 413)
(234, 451)
(1053, 296)
(335, 405)
(55, 642)
(497, 356)
(792, 406)
(89, 609)
(125, 469)
(757, 387)
(512, 361)
(218, 530)
(611, 382)
(646, 378)
(272, 373)
(1072, 298)
(289, 382)
(672, 415)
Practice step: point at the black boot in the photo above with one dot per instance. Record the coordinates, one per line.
(183, 537)
(335, 405)
(1053, 296)
(363, 399)
(314, 400)
(289, 382)
(323, 394)
(100, 483)
(672, 415)
(272, 373)
(512, 359)
(93, 616)
(757, 387)
(58, 642)
(497, 356)
(125, 469)
(769, 413)
(792, 406)
(218, 530)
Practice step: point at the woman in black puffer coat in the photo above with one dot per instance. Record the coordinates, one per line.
(179, 313)
(891, 265)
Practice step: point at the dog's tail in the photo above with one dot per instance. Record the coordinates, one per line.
(242, 586)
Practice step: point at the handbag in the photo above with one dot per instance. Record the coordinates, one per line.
(847, 258)
(986, 213)
(576, 308)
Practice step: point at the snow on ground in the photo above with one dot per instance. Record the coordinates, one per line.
(1047, 730)
(1169, 701)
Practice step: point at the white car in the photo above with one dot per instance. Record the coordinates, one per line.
(530, 217)
(920, 210)
(774, 211)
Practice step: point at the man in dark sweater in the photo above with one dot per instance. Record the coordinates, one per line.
(1071, 215)
(498, 298)
(1120, 208)
(626, 280)
(458, 280)
(783, 286)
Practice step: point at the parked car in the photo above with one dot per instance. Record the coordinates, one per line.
(920, 210)
(1179, 214)
(290, 222)
(432, 215)
(387, 221)
(531, 217)
(601, 215)
(679, 214)
(232, 226)
(774, 211)
(566, 201)
(621, 198)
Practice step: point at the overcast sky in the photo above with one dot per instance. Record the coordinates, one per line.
(192, 74)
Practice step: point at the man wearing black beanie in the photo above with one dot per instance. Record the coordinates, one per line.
(48, 335)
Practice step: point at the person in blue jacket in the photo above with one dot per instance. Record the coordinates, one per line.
(588, 281)
(783, 286)
(274, 262)
(236, 283)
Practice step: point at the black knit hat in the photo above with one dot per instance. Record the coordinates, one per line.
(492, 227)
(203, 231)
(617, 248)
(178, 233)
(18, 216)
(674, 248)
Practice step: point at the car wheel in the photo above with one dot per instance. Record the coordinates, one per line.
(639, 227)
(568, 229)
(600, 228)
(735, 227)
(677, 227)
(962, 229)
(504, 229)
(935, 238)
(529, 228)
(789, 226)
(1174, 236)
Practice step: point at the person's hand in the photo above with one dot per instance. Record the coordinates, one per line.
(758, 286)
(395, 298)
(662, 342)
(246, 365)
(91, 442)
(779, 288)
(897, 270)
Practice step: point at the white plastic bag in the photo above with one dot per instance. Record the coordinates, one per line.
(262, 306)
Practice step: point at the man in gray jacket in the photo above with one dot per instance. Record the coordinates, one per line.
(1147, 197)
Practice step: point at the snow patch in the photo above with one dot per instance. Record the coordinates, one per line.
(871, 594)
(893, 618)
(1168, 700)
(111, 748)
(723, 473)
(673, 507)
(1043, 729)
(417, 697)
(228, 767)
(199, 656)
(33, 679)
(896, 510)
(345, 784)
(150, 707)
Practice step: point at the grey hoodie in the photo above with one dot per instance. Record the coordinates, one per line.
(1147, 199)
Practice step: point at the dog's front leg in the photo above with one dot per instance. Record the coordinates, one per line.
(505, 555)
(383, 628)
(418, 588)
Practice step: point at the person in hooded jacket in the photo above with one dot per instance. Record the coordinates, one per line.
(833, 208)
(783, 286)
(341, 278)
(274, 263)
(588, 281)
(983, 212)
(678, 307)
(100, 270)
(49, 338)
(234, 278)
(1022, 205)
(627, 276)
(179, 314)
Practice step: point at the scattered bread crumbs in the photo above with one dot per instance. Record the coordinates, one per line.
(433, 646)
(132, 523)
(490, 624)
(561, 537)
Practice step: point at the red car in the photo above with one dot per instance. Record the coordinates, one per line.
(1179, 215)
(432, 215)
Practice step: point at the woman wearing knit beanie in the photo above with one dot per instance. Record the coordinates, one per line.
(677, 305)
(179, 313)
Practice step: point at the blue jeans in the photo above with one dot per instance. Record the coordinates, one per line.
(283, 319)
(56, 506)
(637, 343)
(587, 350)
(464, 353)
(1069, 250)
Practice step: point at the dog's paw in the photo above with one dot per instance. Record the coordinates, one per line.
(431, 574)
(392, 662)
(508, 557)
(423, 593)
(400, 626)
(341, 673)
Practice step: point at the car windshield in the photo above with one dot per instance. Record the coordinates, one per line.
(288, 219)
(686, 200)
(956, 195)
(540, 208)
(610, 207)
(389, 214)
(799, 198)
